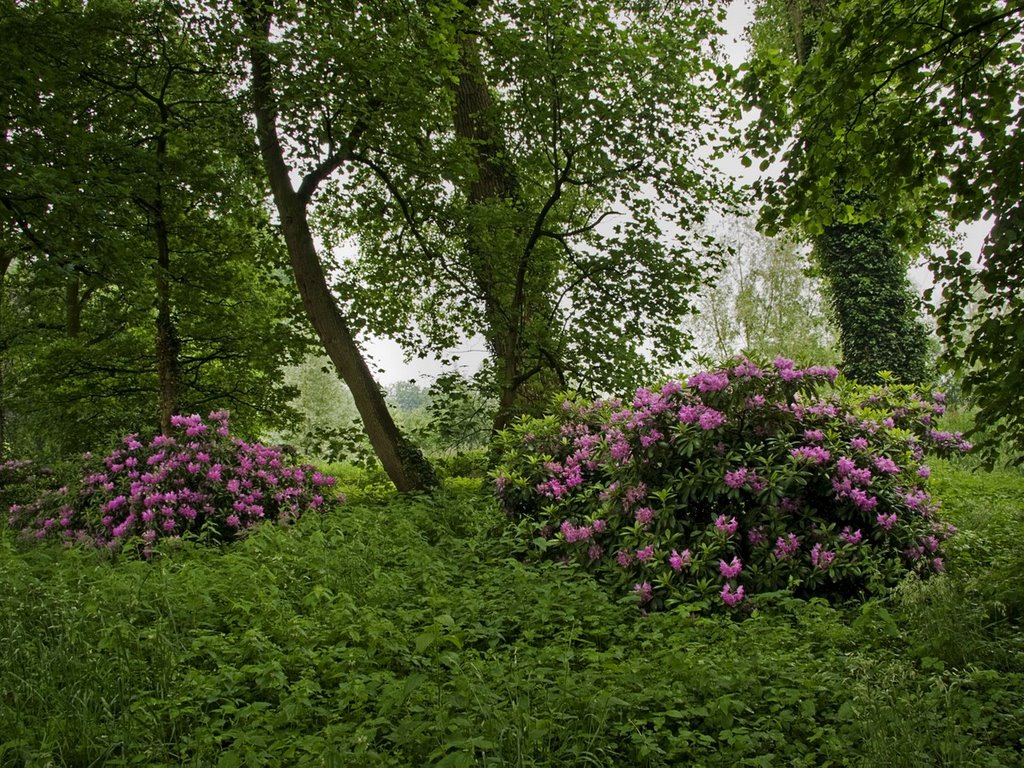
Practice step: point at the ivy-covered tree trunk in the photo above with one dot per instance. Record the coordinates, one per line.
(403, 463)
(871, 299)
(866, 275)
(518, 310)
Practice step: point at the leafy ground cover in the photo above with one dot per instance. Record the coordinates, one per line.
(401, 631)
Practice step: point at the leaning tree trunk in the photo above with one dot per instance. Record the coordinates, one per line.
(404, 464)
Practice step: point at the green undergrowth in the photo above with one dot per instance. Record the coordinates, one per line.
(401, 631)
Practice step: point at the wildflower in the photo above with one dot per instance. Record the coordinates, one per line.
(679, 560)
(730, 570)
(731, 598)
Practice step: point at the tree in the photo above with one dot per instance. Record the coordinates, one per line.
(326, 147)
(550, 196)
(921, 101)
(857, 245)
(765, 303)
(136, 247)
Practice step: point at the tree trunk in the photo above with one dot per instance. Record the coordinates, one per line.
(168, 346)
(516, 306)
(866, 276)
(403, 463)
(5, 263)
(872, 303)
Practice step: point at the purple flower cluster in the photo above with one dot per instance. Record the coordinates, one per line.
(760, 474)
(200, 481)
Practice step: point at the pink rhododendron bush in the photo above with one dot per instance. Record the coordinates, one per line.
(734, 483)
(199, 481)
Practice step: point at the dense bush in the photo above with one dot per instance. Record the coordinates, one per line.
(738, 481)
(201, 481)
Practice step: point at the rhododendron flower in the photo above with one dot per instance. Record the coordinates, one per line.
(671, 388)
(624, 558)
(599, 525)
(709, 382)
(862, 500)
(730, 570)
(644, 516)
(814, 435)
(726, 525)
(595, 552)
(938, 565)
(924, 471)
(851, 537)
(620, 451)
(821, 558)
(233, 521)
(737, 478)
(756, 536)
(786, 546)
(887, 521)
(859, 444)
(731, 598)
(886, 465)
(650, 438)
(645, 554)
(711, 419)
(644, 591)
(679, 560)
(748, 370)
(812, 453)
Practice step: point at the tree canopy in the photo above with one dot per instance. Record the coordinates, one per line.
(920, 103)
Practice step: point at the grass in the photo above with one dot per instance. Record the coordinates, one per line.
(398, 632)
